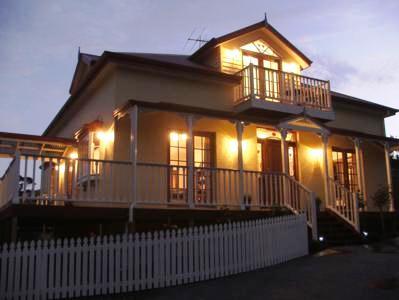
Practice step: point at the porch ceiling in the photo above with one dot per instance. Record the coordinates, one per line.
(32, 144)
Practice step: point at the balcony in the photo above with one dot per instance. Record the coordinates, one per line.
(286, 93)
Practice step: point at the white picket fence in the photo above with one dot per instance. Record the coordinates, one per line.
(110, 265)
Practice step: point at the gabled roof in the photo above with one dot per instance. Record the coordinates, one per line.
(84, 60)
(339, 97)
(263, 24)
(170, 61)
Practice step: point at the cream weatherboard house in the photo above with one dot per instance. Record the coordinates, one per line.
(232, 131)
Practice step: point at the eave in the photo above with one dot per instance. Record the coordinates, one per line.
(214, 42)
(124, 59)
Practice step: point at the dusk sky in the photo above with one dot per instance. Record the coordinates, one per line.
(355, 44)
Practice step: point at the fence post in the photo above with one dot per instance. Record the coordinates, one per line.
(15, 198)
(314, 215)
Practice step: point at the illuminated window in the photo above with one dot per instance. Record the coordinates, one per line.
(246, 61)
(266, 76)
(261, 47)
(259, 156)
(344, 164)
(94, 152)
(203, 153)
(291, 160)
(271, 79)
(178, 161)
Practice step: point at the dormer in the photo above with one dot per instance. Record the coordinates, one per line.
(270, 67)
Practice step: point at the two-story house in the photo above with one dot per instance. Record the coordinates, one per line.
(233, 130)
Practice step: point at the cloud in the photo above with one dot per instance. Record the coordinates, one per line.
(353, 44)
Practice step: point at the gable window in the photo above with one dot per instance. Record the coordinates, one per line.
(260, 47)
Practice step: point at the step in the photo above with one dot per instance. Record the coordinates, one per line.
(335, 231)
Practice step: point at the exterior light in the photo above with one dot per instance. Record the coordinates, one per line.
(291, 68)
(100, 135)
(365, 233)
(233, 145)
(235, 53)
(183, 136)
(316, 154)
(105, 137)
(73, 155)
(232, 54)
(174, 136)
(321, 238)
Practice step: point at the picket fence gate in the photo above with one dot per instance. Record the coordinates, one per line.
(109, 265)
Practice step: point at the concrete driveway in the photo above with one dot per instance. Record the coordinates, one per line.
(359, 272)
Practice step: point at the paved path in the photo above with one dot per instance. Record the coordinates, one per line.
(344, 273)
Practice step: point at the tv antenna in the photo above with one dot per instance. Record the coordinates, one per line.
(196, 40)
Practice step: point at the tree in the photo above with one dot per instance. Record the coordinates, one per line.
(382, 199)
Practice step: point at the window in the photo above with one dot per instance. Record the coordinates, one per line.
(94, 152)
(266, 78)
(203, 152)
(203, 161)
(344, 164)
(261, 47)
(291, 160)
(259, 156)
(178, 162)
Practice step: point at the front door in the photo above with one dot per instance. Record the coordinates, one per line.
(270, 159)
(270, 162)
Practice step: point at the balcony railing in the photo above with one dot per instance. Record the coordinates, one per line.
(281, 87)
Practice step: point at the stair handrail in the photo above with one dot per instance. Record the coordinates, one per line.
(344, 203)
(300, 199)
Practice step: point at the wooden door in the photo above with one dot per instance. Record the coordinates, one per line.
(272, 156)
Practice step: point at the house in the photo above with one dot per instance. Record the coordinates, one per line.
(231, 131)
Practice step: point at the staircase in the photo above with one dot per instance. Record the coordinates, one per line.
(335, 230)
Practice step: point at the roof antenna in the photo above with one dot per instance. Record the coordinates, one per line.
(78, 52)
(199, 40)
(265, 18)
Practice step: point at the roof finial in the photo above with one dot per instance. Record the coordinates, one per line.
(265, 18)
(78, 51)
